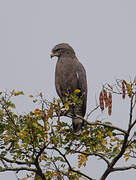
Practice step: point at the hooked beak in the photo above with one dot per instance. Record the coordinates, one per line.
(52, 54)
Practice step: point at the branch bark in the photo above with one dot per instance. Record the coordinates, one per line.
(39, 170)
(17, 169)
(93, 154)
(16, 162)
(70, 168)
(124, 168)
(124, 145)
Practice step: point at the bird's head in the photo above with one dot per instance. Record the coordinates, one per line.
(62, 48)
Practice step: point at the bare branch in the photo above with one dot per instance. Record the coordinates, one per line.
(14, 161)
(92, 111)
(17, 169)
(133, 166)
(132, 125)
(107, 125)
(131, 112)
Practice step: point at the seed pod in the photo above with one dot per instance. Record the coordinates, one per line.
(110, 109)
(110, 104)
(101, 100)
(134, 80)
(105, 97)
(123, 90)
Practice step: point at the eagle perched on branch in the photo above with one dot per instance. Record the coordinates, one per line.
(70, 75)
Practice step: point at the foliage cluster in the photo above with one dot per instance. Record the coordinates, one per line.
(41, 141)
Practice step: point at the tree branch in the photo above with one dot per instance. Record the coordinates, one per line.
(92, 111)
(41, 151)
(17, 169)
(113, 162)
(93, 154)
(132, 125)
(131, 112)
(100, 124)
(133, 166)
(70, 168)
(16, 162)
(107, 125)
(124, 145)
(39, 170)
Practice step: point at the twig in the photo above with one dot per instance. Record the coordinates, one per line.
(41, 151)
(16, 162)
(124, 145)
(107, 125)
(101, 124)
(70, 168)
(131, 112)
(17, 169)
(92, 111)
(133, 166)
(93, 154)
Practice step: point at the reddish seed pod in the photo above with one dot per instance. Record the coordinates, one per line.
(105, 97)
(110, 98)
(101, 99)
(110, 109)
(110, 104)
(134, 80)
(123, 90)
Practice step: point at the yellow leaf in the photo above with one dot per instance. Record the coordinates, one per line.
(20, 93)
(51, 111)
(13, 106)
(100, 136)
(127, 159)
(58, 100)
(17, 93)
(127, 156)
(24, 178)
(36, 111)
(77, 91)
(41, 95)
(39, 135)
(18, 133)
(135, 80)
(110, 133)
(82, 158)
(128, 85)
(9, 137)
(66, 107)
(129, 89)
(1, 112)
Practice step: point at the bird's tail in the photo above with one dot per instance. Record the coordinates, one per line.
(77, 124)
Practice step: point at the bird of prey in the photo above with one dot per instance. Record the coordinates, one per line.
(69, 76)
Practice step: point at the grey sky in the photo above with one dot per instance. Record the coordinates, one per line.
(102, 32)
